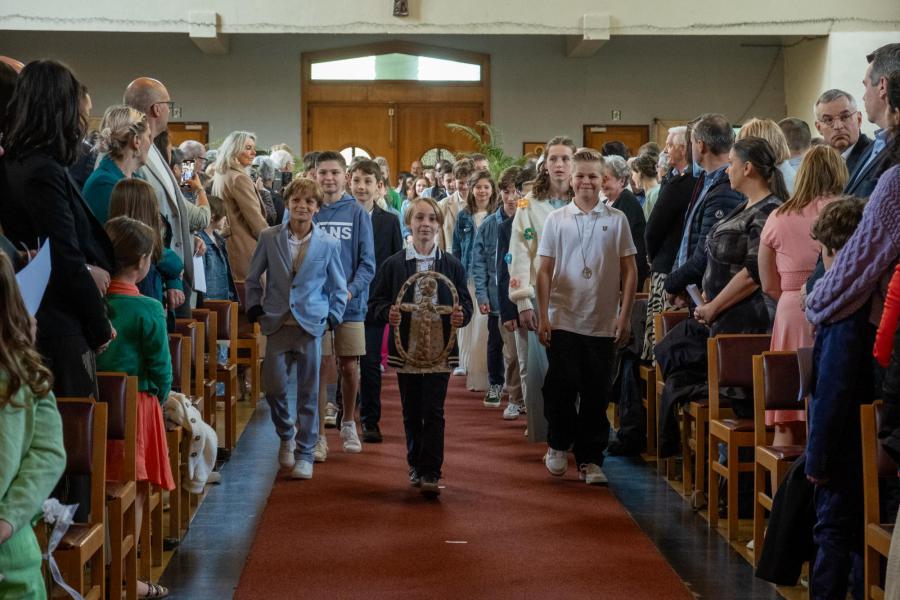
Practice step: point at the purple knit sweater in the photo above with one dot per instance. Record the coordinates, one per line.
(869, 255)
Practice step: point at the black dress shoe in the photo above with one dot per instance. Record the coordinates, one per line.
(371, 434)
(429, 487)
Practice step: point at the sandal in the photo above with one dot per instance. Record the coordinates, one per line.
(155, 591)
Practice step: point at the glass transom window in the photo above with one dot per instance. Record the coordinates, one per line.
(395, 67)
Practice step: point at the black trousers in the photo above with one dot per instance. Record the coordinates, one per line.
(580, 366)
(370, 377)
(496, 368)
(422, 398)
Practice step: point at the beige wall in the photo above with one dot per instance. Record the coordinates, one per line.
(805, 68)
(537, 92)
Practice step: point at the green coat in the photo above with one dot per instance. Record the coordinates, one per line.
(141, 347)
(32, 459)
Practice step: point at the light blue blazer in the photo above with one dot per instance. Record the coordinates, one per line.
(317, 292)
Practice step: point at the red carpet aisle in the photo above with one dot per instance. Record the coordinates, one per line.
(502, 527)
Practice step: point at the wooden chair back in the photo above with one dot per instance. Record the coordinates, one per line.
(194, 332)
(84, 437)
(226, 324)
(119, 392)
(730, 364)
(776, 386)
(210, 330)
(663, 323)
(180, 351)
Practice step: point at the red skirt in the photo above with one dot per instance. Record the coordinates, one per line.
(152, 455)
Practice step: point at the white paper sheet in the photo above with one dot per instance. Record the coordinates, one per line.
(199, 275)
(33, 279)
(694, 293)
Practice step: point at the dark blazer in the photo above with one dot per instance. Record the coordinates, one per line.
(391, 277)
(720, 200)
(861, 147)
(508, 309)
(628, 204)
(41, 201)
(862, 180)
(666, 222)
(388, 241)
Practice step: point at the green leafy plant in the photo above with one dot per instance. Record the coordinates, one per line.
(490, 145)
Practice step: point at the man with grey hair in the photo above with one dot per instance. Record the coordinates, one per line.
(152, 98)
(798, 137)
(677, 151)
(839, 121)
(883, 63)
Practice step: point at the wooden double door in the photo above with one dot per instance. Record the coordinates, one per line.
(400, 132)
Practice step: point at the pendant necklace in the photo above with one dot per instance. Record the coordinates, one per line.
(586, 272)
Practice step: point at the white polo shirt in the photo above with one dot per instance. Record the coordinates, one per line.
(580, 305)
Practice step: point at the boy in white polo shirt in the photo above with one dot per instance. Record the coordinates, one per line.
(585, 288)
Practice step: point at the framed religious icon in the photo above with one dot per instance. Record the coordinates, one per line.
(533, 148)
(428, 348)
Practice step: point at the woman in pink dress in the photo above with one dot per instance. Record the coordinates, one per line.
(787, 257)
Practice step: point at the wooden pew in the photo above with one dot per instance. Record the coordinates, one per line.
(776, 386)
(210, 356)
(663, 324)
(876, 464)
(730, 364)
(84, 437)
(119, 392)
(227, 330)
(249, 345)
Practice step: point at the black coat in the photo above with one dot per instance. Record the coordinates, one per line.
(863, 180)
(720, 200)
(41, 201)
(637, 223)
(859, 149)
(391, 277)
(666, 222)
(388, 241)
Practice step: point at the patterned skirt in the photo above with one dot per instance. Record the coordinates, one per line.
(655, 305)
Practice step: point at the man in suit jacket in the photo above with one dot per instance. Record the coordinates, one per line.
(883, 63)
(306, 293)
(152, 98)
(838, 120)
(367, 183)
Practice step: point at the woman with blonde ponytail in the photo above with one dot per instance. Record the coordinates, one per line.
(124, 143)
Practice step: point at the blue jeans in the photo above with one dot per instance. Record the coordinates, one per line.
(496, 368)
(286, 347)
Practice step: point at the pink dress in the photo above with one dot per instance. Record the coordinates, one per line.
(796, 253)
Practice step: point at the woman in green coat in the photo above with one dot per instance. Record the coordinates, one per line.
(32, 457)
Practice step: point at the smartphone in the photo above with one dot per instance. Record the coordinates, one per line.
(187, 171)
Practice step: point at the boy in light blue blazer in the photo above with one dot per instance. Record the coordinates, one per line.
(306, 294)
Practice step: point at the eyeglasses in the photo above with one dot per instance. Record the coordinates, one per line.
(828, 121)
(169, 103)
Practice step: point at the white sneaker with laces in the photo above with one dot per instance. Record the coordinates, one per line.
(302, 470)
(556, 461)
(286, 453)
(320, 451)
(331, 413)
(512, 412)
(592, 474)
(459, 372)
(352, 445)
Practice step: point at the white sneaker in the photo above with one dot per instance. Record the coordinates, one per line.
(320, 451)
(351, 441)
(556, 461)
(512, 412)
(302, 470)
(592, 474)
(331, 413)
(286, 453)
(459, 372)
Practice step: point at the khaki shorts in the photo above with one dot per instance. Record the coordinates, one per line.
(349, 339)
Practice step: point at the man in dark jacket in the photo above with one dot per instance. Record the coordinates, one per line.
(713, 199)
(367, 183)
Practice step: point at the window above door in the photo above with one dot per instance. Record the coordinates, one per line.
(395, 67)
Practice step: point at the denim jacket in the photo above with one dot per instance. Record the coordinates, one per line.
(464, 240)
(484, 261)
(219, 283)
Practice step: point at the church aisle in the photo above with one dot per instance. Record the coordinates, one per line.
(502, 527)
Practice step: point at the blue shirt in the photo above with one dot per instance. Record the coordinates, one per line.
(708, 182)
(877, 146)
